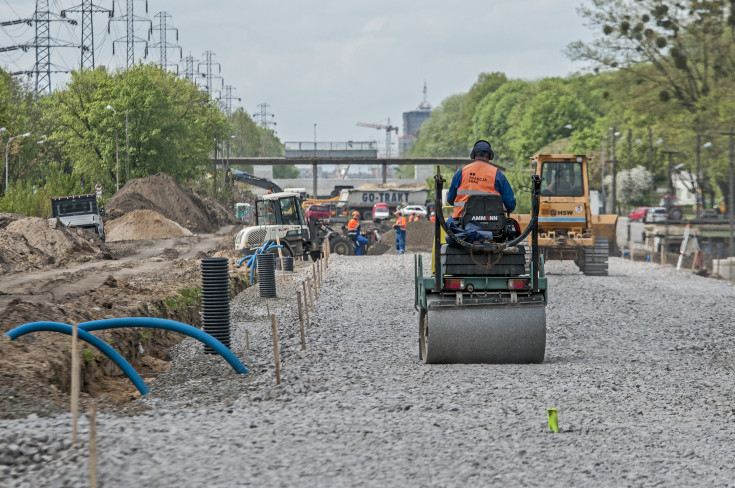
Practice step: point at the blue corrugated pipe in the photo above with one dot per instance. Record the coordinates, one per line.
(251, 259)
(168, 325)
(101, 345)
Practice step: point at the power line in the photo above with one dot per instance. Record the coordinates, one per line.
(87, 8)
(229, 97)
(163, 45)
(208, 64)
(262, 117)
(130, 38)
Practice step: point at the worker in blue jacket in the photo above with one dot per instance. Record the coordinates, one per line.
(477, 178)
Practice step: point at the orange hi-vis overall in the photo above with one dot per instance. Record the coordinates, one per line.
(478, 178)
(401, 221)
(352, 224)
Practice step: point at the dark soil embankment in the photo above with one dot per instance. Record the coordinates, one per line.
(419, 238)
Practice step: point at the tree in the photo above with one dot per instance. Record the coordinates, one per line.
(687, 43)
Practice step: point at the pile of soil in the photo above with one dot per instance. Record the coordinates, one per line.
(143, 224)
(29, 243)
(161, 193)
(386, 186)
(419, 238)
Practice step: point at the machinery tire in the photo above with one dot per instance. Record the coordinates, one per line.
(285, 251)
(675, 214)
(341, 245)
(595, 258)
(367, 215)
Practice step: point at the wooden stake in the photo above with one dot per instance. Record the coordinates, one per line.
(663, 248)
(326, 254)
(74, 384)
(247, 340)
(320, 267)
(92, 448)
(630, 247)
(301, 320)
(306, 306)
(313, 272)
(280, 256)
(311, 299)
(275, 349)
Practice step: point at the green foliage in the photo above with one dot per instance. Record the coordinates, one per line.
(186, 297)
(28, 199)
(88, 355)
(283, 171)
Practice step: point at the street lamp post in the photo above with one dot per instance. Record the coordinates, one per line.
(7, 148)
(117, 152)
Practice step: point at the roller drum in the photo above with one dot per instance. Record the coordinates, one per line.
(483, 334)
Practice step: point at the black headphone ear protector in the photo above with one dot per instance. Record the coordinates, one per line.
(491, 155)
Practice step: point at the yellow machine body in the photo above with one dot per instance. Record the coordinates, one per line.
(568, 230)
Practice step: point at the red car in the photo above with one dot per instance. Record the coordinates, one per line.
(317, 212)
(639, 214)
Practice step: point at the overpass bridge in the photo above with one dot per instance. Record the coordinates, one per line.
(427, 164)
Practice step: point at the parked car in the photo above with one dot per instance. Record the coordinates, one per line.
(317, 212)
(419, 209)
(638, 214)
(381, 212)
(656, 214)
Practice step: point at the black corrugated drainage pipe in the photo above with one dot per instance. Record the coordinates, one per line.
(216, 300)
(267, 275)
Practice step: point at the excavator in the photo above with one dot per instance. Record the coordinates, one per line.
(483, 302)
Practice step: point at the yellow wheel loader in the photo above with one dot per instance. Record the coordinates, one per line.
(568, 230)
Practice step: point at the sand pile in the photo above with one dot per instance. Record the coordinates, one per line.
(31, 242)
(419, 238)
(143, 224)
(164, 195)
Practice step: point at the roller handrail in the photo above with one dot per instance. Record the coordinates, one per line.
(101, 345)
(155, 323)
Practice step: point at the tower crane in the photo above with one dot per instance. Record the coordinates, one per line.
(388, 129)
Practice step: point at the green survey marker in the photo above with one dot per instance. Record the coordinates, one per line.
(551, 414)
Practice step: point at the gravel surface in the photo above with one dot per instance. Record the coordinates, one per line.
(640, 365)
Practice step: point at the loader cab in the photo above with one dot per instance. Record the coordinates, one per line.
(562, 179)
(279, 209)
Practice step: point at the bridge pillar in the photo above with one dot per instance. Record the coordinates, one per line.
(385, 172)
(314, 167)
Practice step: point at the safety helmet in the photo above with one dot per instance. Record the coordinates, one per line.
(355, 214)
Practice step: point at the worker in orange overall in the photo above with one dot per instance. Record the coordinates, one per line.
(414, 217)
(353, 232)
(400, 227)
(478, 178)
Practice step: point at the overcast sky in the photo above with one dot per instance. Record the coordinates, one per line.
(338, 62)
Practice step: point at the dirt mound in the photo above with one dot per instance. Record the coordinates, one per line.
(163, 194)
(143, 224)
(31, 243)
(387, 186)
(419, 238)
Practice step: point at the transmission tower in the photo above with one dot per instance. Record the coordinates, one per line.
(162, 44)
(130, 38)
(87, 8)
(229, 97)
(209, 63)
(262, 116)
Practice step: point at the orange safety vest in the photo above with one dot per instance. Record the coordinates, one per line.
(478, 178)
(413, 218)
(352, 224)
(401, 221)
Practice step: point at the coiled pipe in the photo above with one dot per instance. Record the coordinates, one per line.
(101, 345)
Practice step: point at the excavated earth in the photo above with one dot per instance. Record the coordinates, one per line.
(640, 365)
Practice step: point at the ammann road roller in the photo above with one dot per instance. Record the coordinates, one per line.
(485, 301)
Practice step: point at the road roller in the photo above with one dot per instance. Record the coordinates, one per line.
(485, 299)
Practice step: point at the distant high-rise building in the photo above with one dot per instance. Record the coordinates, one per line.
(412, 122)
